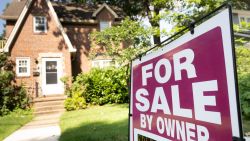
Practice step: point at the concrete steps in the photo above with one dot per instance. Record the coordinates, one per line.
(49, 104)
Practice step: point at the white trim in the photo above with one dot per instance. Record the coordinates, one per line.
(101, 63)
(49, 89)
(50, 55)
(242, 34)
(108, 8)
(199, 30)
(245, 19)
(34, 24)
(59, 25)
(28, 66)
(21, 18)
(17, 25)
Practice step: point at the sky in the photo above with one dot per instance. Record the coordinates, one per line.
(2, 6)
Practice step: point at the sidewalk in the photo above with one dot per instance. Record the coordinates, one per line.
(41, 128)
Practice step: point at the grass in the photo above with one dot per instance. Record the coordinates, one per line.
(97, 123)
(13, 121)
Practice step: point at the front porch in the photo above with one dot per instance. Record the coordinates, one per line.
(49, 104)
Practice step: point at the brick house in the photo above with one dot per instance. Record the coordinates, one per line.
(50, 40)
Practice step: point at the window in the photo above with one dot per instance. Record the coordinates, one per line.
(242, 19)
(102, 63)
(104, 25)
(248, 20)
(51, 72)
(40, 24)
(23, 66)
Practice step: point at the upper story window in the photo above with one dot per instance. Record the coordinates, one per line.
(103, 63)
(23, 66)
(104, 25)
(248, 20)
(40, 24)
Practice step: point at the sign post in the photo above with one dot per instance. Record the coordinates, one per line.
(187, 90)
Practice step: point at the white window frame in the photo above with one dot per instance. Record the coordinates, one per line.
(102, 63)
(104, 25)
(35, 24)
(245, 19)
(28, 66)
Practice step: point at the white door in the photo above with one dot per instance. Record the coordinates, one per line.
(51, 74)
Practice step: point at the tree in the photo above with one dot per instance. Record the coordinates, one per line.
(108, 42)
(11, 95)
(152, 10)
(143, 8)
(241, 4)
(243, 70)
(110, 39)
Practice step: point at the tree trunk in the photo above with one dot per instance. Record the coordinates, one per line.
(156, 23)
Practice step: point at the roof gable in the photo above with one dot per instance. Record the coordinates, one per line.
(21, 20)
(102, 7)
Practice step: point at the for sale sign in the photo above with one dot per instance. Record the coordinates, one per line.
(186, 90)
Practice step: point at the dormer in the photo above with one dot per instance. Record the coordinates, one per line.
(105, 16)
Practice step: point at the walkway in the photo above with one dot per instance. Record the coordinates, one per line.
(41, 128)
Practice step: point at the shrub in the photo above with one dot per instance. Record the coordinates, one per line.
(243, 69)
(66, 81)
(102, 86)
(75, 103)
(11, 96)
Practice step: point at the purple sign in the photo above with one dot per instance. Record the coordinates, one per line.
(183, 93)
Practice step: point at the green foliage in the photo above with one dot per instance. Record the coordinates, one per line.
(134, 36)
(75, 102)
(97, 123)
(102, 86)
(13, 121)
(243, 69)
(11, 95)
(66, 81)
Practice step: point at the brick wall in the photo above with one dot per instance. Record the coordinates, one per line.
(9, 27)
(30, 44)
(79, 36)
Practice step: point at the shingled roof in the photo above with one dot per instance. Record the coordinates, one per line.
(13, 11)
(80, 12)
(66, 12)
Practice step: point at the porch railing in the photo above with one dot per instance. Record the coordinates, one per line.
(2, 44)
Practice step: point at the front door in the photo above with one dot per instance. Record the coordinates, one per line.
(51, 74)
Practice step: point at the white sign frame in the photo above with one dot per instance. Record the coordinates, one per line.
(223, 20)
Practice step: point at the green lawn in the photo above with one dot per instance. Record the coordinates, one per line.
(97, 123)
(13, 121)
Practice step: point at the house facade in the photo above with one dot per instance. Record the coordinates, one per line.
(50, 40)
(242, 17)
